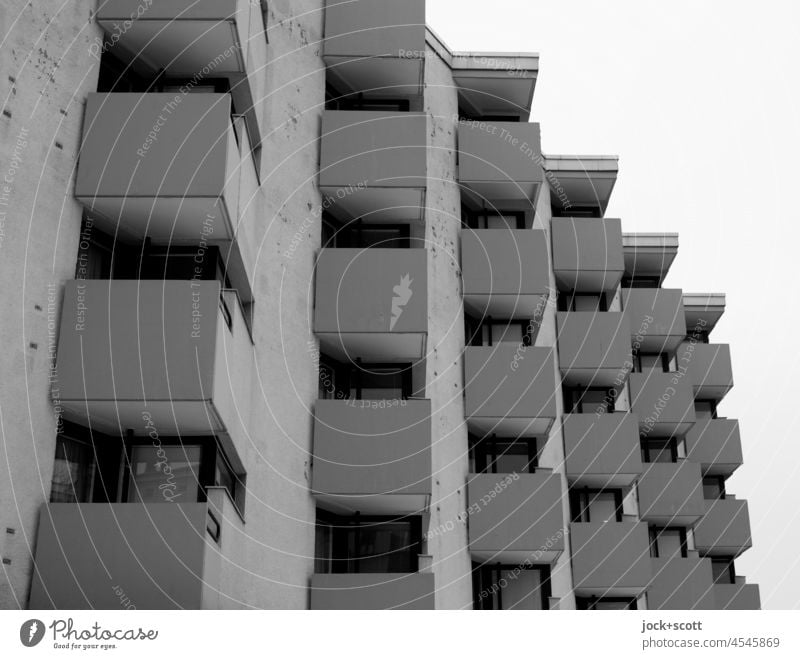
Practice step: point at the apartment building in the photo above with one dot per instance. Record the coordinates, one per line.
(309, 321)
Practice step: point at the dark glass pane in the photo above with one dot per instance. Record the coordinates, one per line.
(73, 472)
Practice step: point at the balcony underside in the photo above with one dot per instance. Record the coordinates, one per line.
(511, 306)
(377, 205)
(511, 195)
(172, 220)
(392, 77)
(373, 504)
(178, 417)
(374, 346)
(509, 426)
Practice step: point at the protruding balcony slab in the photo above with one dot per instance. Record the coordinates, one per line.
(510, 390)
(737, 597)
(515, 518)
(663, 402)
(724, 530)
(131, 350)
(610, 559)
(500, 163)
(373, 457)
(373, 165)
(587, 254)
(681, 583)
(602, 451)
(657, 318)
(372, 303)
(375, 47)
(708, 367)
(505, 272)
(154, 167)
(671, 493)
(594, 348)
(716, 445)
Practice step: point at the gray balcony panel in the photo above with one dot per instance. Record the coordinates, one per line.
(587, 254)
(657, 318)
(681, 583)
(724, 529)
(663, 402)
(372, 591)
(671, 493)
(716, 445)
(594, 348)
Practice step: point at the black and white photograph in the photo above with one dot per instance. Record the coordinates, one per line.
(323, 308)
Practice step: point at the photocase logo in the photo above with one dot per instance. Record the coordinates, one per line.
(402, 294)
(31, 632)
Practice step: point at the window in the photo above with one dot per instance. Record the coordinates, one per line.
(380, 381)
(366, 544)
(492, 455)
(723, 570)
(361, 235)
(73, 471)
(590, 505)
(713, 487)
(510, 587)
(641, 281)
(668, 542)
(659, 450)
(705, 409)
(582, 302)
(164, 473)
(605, 603)
(659, 362)
(589, 400)
(496, 220)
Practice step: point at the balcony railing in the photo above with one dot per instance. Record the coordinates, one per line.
(671, 493)
(373, 457)
(610, 559)
(505, 272)
(737, 597)
(161, 556)
(724, 528)
(375, 47)
(716, 445)
(373, 165)
(194, 39)
(372, 591)
(510, 390)
(681, 583)
(708, 367)
(587, 254)
(155, 167)
(602, 450)
(594, 348)
(500, 162)
(657, 318)
(515, 518)
(372, 303)
(663, 402)
(161, 348)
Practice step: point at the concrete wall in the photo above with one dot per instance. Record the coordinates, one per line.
(445, 359)
(47, 73)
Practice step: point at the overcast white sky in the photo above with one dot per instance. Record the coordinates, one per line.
(700, 101)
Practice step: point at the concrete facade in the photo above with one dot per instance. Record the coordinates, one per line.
(407, 349)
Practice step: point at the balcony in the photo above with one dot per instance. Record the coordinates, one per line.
(372, 303)
(505, 273)
(171, 188)
(708, 367)
(724, 529)
(671, 493)
(737, 597)
(649, 255)
(587, 254)
(500, 163)
(162, 556)
(373, 457)
(372, 591)
(164, 348)
(513, 520)
(610, 559)
(602, 451)
(376, 47)
(373, 165)
(187, 38)
(657, 319)
(594, 348)
(681, 583)
(510, 390)
(581, 182)
(715, 444)
(663, 402)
